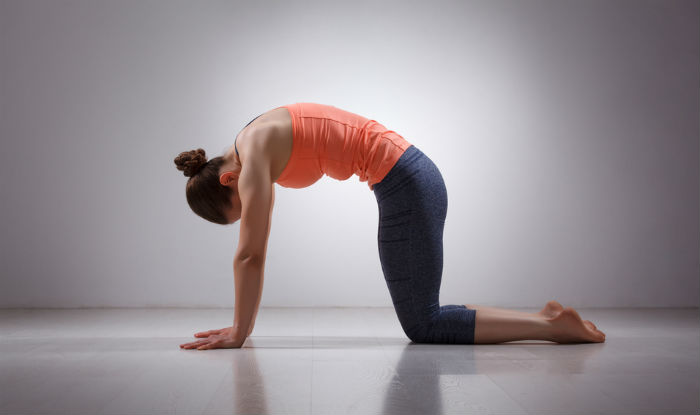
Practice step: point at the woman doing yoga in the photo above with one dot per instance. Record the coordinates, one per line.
(294, 146)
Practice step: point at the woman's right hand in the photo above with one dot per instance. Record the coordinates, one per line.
(224, 332)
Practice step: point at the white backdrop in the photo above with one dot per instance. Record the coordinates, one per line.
(566, 132)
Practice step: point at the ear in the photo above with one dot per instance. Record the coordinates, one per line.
(227, 178)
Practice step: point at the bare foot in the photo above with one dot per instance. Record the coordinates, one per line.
(570, 328)
(590, 325)
(551, 310)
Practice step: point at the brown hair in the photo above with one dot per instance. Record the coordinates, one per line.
(206, 196)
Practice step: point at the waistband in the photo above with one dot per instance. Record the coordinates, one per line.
(404, 167)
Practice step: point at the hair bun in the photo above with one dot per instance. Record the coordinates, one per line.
(190, 162)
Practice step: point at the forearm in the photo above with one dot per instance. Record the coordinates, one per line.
(248, 277)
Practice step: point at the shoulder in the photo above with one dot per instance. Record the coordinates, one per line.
(255, 139)
(265, 131)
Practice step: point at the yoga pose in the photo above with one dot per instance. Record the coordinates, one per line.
(294, 146)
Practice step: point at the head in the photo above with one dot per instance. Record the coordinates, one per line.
(210, 192)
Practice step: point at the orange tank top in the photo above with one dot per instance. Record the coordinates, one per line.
(328, 140)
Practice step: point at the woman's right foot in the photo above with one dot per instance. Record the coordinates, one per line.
(568, 327)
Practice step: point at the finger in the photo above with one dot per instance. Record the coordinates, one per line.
(207, 333)
(193, 344)
(211, 345)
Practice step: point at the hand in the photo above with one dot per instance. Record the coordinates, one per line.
(213, 340)
(225, 330)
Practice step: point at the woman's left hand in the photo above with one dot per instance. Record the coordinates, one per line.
(215, 341)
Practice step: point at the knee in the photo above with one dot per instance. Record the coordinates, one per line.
(418, 336)
(462, 333)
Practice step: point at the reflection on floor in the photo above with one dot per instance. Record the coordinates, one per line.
(338, 360)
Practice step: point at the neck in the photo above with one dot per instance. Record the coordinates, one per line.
(231, 161)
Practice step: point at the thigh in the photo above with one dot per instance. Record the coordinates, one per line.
(412, 210)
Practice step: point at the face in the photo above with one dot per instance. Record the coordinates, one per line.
(234, 213)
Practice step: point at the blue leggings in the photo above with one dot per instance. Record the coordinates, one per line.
(412, 201)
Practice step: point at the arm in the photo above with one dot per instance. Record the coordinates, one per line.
(256, 191)
(255, 314)
(248, 280)
(248, 277)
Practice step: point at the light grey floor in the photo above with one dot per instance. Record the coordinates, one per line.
(337, 361)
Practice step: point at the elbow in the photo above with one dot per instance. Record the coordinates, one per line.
(249, 259)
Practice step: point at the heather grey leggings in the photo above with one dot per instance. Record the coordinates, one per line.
(412, 201)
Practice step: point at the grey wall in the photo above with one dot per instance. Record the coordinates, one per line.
(566, 132)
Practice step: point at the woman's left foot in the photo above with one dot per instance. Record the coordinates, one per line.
(554, 308)
(551, 309)
(568, 327)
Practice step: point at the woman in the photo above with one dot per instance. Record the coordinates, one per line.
(294, 146)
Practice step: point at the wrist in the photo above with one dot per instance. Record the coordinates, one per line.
(238, 335)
